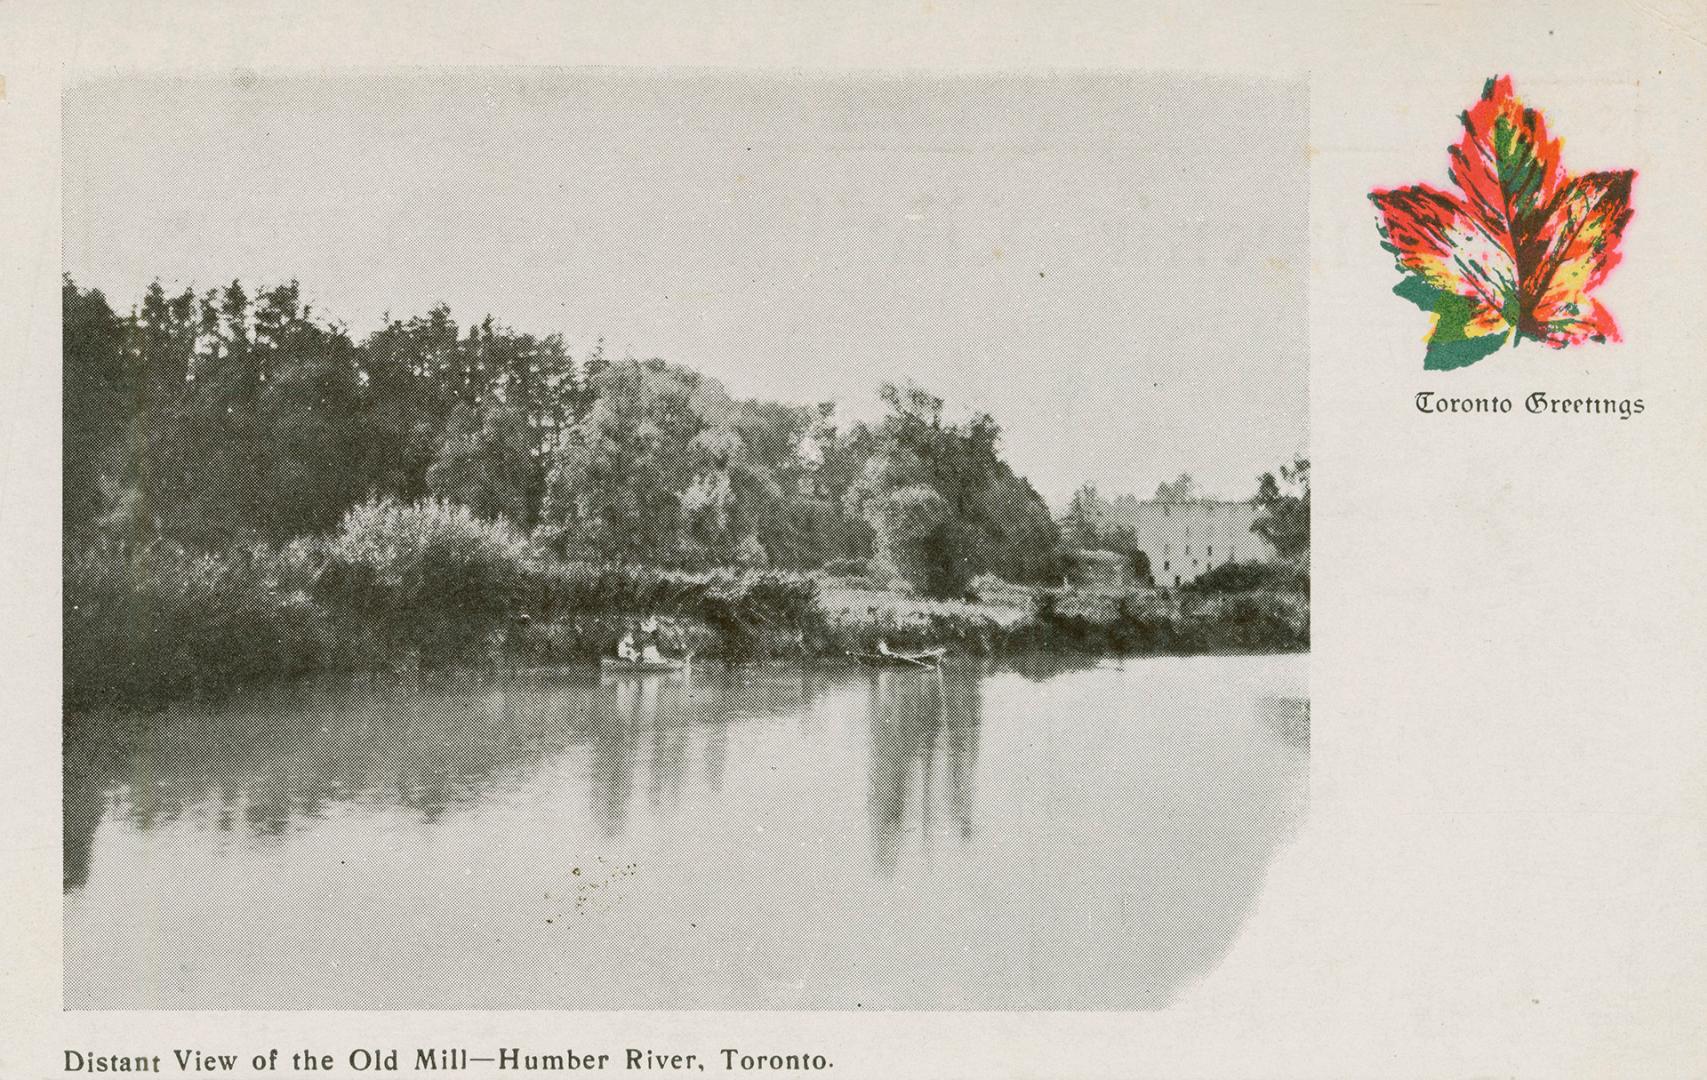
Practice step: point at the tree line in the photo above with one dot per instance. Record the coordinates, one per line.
(226, 417)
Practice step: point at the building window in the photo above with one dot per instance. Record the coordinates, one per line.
(1164, 564)
(1176, 579)
(1211, 551)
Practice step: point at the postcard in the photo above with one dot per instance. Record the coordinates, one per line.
(783, 540)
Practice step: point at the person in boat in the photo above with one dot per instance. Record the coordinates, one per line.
(883, 648)
(625, 649)
(649, 651)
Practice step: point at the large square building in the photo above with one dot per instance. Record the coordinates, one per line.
(1184, 539)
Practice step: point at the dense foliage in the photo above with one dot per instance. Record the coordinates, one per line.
(428, 571)
(224, 417)
(944, 506)
(1285, 522)
(151, 624)
(252, 493)
(1242, 577)
(665, 468)
(1086, 526)
(399, 585)
(147, 624)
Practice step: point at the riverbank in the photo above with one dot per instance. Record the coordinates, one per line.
(146, 626)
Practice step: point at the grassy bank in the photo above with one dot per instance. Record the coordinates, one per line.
(145, 626)
(431, 585)
(1136, 623)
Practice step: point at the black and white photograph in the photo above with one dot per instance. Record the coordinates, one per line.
(566, 538)
(777, 538)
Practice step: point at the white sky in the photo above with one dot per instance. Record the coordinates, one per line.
(1114, 267)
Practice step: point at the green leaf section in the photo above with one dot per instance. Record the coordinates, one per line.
(1449, 346)
(1520, 171)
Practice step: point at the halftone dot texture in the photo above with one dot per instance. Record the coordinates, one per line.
(1112, 267)
(1115, 267)
(1050, 837)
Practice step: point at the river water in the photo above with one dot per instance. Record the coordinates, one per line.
(758, 838)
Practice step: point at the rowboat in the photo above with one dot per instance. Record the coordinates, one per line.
(615, 666)
(920, 658)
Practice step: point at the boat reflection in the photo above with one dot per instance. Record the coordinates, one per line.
(924, 758)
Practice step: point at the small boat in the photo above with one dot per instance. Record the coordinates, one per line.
(918, 658)
(616, 665)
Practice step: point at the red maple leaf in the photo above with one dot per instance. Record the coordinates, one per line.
(1517, 253)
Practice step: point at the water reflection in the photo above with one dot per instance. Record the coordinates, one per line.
(85, 806)
(922, 723)
(1288, 718)
(1057, 836)
(429, 743)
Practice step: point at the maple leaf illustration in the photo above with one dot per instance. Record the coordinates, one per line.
(1517, 253)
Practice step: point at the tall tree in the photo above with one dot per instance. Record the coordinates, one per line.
(97, 400)
(406, 369)
(1081, 525)
(309, 419)
(942, 503)
(485, 462)
(1285, 520)
(264, 437)
(616, 486)
(1182, 489)
(163, 339)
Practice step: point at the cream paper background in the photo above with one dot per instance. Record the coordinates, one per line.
(1505, 867)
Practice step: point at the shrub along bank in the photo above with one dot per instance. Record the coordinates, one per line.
(425, 583)
(430, 583)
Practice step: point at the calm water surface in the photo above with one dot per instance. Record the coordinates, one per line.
(772, 838)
